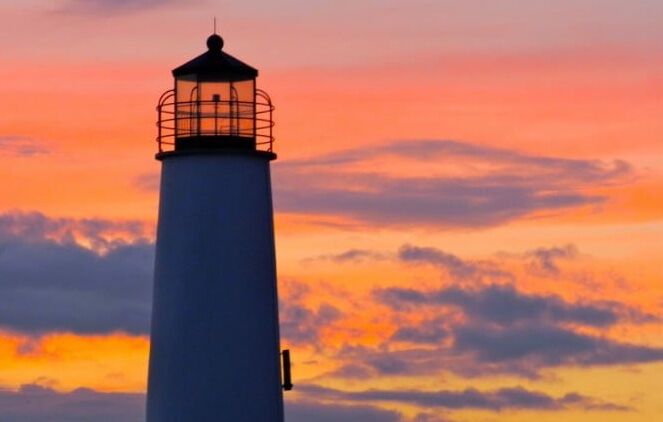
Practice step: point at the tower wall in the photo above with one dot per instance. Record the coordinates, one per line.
(215, 341)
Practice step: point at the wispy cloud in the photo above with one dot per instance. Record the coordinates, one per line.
(449, 150)
(506, 185)
(83, 405)
(513, 398)
(544, 260)
(21, 146)
(306, 411)
(430, 331)
(302, 325)
(113, 6)
(526, 348)
(456, 267)
(504, 305)
(350, 255)
(482, 350)
(47, 405)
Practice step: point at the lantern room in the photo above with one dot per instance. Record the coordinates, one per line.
(215, 105)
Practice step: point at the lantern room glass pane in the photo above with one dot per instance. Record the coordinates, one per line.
(243, 92)
(214, 108)
(185, 109)
(209, 90)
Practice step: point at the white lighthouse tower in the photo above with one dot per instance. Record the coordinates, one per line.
(215, 353)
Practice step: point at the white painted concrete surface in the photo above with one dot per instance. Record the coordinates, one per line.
(215, 340)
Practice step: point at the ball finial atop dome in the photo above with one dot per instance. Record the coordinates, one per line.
(215, 42)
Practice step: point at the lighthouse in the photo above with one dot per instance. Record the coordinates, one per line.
(214, 351)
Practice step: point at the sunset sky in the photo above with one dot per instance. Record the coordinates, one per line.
(468, 200)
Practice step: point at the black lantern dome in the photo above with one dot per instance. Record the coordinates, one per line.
(216, 64)
(215, 105)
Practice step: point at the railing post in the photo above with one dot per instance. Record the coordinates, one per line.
(271, 126)
(255, 114)
(163, 102)
(159, 126)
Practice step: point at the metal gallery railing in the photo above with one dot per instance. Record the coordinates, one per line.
(216, 117)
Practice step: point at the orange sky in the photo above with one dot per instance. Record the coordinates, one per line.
(516, 147)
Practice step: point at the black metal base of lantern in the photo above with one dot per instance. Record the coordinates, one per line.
(215, 142)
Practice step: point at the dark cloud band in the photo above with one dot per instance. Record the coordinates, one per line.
(517, 185)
